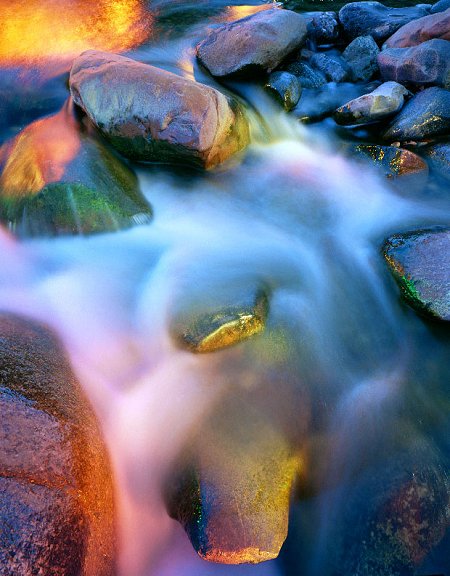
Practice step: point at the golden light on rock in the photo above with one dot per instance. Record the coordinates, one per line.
(238, 12)
(35, 31)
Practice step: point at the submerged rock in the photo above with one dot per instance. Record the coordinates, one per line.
(375, 19)
(257, 43)
(361, 56)
(333, 66)
(440, 6)
(57, 179)
(426, 115)
(323, 27)
(421, 30)
(438, 157)
(307, 75)
(285, 87)
(152, 115)
(423, 65)
(56, 497)
(383, 102)
(420, 263)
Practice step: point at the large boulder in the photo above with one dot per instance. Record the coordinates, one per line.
(383, 102)
(376, 20)
(257, 43)
(423, 65)
(421, 30)
(152, 115)
(419, 262)
(426, 115)
(56, 178)
(56, 496)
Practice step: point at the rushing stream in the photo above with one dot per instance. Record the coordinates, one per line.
(345, 378)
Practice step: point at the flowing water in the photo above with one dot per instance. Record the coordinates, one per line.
(345, 373)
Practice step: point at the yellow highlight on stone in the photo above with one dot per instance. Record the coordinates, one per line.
(232, 332)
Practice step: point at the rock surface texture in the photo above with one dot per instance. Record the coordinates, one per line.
(361, 56)
(438, 157)
(423, 65)
(152, 115)
(333, 66)
(257, 43)
(56, 501)
(285, 87)
(434, 26)
(420, 263)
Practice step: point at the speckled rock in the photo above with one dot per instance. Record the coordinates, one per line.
(56, 500)
(383, 102)
(420, 263)
(308, 76)
(438, 157)
(423, 65)
(426, 115)
(58, 178)
(332, 65)
(375, 19)
(361, 56)
(440, 6)
(150, 114)
(323, 27)
(421, 30)
(257, 43)
(285, 87)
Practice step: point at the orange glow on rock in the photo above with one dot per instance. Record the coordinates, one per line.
(238, 12)
(35, 32)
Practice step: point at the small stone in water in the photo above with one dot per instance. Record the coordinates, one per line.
(420, 263)
(308, 76)
(383, 102)
(423, 65)
(421, 30)
(426, 115)
(285, 87)
(332, 65)
(323, 27)
(361, 56)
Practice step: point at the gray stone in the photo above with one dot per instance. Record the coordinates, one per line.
(56, 178)
(361, 56)
(285, 87)
(375, 19)
(333, 66)
(423, 65)
(420, 263)
(438, 157)
(421, 30)
(150, 114)
(308, 76)
(383, 102)
(323, 27)
(440, 6)
(426, 115)
(256, 43)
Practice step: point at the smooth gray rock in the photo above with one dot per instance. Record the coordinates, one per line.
(323, 27)
(440, 6)
(361, 56)
(383, 102)
(150, 114)
(308, 76)
(375, 19)
(420, 263)
(438, 157)
(423, 65)
(421, 30)
(426, 115)
(285, 87)
(257, 43)
(333, 66)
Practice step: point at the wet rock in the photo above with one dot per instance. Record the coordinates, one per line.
(438, 157)
(361, 56)
(375, 19)
(423, 65)
(404, 170)
(56, 499)
(419, 262)
(332, 65)
(421, 30)
(440, 6)
(257, 43)
(323, 27)
(285, 87)
(316, 104)
(383, 102)
(152, 115)
(307, 75)
(424, 116)
(56, 178)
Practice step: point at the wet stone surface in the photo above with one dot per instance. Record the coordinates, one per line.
(421, 30)
(285, 87)
(361, 56)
